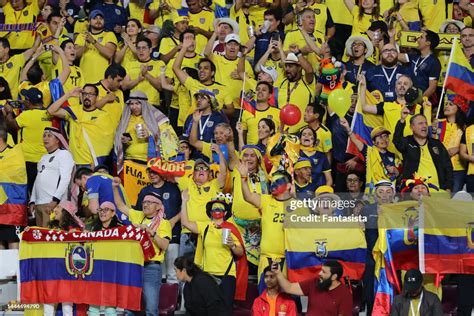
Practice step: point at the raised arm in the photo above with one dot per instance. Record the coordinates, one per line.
(107, 49)
(309, 42)
(349, 4)
(208, 49)
(359, 144)
(23, 75)
(192, 226)
(285, 285)
(55, 108)
(399, 140)
(117, 198)
(178, 62)
(366, 108)
(193, 135)
(66, 68)
(250, 197)
(222, 175)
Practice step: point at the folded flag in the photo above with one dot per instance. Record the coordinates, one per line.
(13, 187)
(102, 268)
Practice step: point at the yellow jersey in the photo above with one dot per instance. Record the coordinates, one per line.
(241, 209)
(198, 197)
(32, 124)
(426, 168)
(452, 139)
(134, 70)
(224, 67)
(272, 243)
(137, 149)
(250, 122)
(295, 37)
(23, 39)
(216, 257)
(321, 16)
(115, 108)
(299, 93)
(244, 21)
(93, 64)
(433, 13)
(93, 123)
(339, 12)
(219, 90)
(325, 139)
(469, 137)
(42, 86)
(360, 26)
(10, 71)
(163, 231)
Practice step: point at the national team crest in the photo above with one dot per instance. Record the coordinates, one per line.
(410, 234)
(79, 259)
(321, 248)
(470, 235)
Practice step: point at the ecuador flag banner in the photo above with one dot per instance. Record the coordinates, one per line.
(395, 249)
(460, 74)
(13, 188)
(447, 242)
(102, 268)
(307, 249)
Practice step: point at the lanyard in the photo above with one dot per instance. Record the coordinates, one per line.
(289, 92)
(203, 127)
(418, 64)
(389, 79)
(418, 308)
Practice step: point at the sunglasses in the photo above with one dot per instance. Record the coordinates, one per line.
(201, 168)
(104, 210)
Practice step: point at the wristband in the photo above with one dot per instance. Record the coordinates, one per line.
(244, 178)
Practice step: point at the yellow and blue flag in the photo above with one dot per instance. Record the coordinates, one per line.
(460, 74)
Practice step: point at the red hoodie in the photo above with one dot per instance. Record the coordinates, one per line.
(284, 303)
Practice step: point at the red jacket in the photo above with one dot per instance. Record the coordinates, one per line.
(284, 303)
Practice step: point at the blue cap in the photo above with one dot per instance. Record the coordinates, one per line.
(95, 13)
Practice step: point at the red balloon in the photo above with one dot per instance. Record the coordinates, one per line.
(290, 115)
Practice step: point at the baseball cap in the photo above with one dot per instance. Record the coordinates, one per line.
(413, 281)
(95, 13)
(384, 183)
(33, 95)
(271, 71)
(379, 130)
(154, 29)
(232, 37)
(291, 59)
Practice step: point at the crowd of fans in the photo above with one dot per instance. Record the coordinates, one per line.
(87, 86)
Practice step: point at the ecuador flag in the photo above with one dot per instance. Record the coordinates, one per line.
(102, 268)
(447, 240)
(308, 248)
(460, 74)
(396, 249)
(13, 188)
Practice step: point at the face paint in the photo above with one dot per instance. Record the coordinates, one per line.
(217, 214)
(278, 186)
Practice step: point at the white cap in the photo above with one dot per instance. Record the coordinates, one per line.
(230, 22)
(232, 37)
(291, 59)
(271, 71)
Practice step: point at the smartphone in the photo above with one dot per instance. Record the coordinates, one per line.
(15, 104)
(127, 135)
(47, 47)
(275, 37)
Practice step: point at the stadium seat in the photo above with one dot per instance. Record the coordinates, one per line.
(168, 298)
(450, 301)
(245, 308)
(357, 296)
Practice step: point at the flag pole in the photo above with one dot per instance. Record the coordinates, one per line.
(446, 77)
(242, 95)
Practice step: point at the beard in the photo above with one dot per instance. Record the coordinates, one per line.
(387, 63)
(324, 284)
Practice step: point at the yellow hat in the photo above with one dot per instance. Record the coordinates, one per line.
(324, 189)
(302, 163)
(377, 131)
(179, 16)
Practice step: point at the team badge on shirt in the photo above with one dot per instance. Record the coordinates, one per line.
(118, 12)
(70, 11)
(166, 196)
(100, 39)
(9, 65)
(317, 11)
(210, 124)
(25, 13)
(202, 20)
